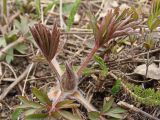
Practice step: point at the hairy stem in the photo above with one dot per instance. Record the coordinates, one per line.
(57, 66)
(53, 66)
(84, 64)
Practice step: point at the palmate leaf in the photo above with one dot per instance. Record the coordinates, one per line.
(21, 48)
(66, 104)
(16, 113)
(94, 115)
(29, 103)
(36, 117)
(23, 106)
(116, 112)
(72, 13)
(22, 25)
(118, 116)
(107, 105)
(68, 115)
(55, 115)
(9, 56)
(29, 112)
(43, 98)
(3, 42)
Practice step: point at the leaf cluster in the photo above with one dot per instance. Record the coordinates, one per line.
(108, 110)
(21, 28)
(41, 109)
(114, 24)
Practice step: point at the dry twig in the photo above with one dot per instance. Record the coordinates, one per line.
(10, 87)
(5, 49)
(135, 109)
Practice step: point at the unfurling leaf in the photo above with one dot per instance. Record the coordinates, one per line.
(47, 41)
(115, 24)
(69, 80)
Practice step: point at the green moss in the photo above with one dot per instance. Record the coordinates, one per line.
(145, 96)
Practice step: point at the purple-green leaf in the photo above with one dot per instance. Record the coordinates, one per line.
(29, 103)
(43, 98)
(69, 116)
(107, 104)
(94, 115)
(36, 117)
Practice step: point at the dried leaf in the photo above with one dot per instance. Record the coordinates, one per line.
(153, 71)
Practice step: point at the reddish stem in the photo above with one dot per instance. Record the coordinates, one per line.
(84, 64)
